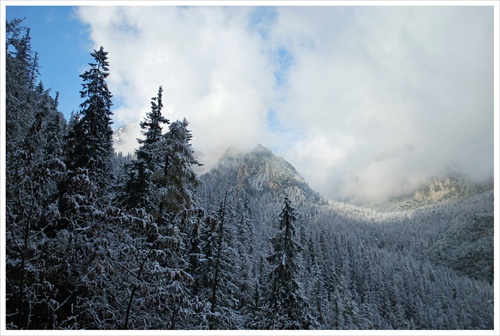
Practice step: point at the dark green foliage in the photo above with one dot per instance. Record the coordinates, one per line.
(178, 180)
(218, 270)
(141, 190)
(152, 125)
(92, 145)
(289, 308)
(20, 79)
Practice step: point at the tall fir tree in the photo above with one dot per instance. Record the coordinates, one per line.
(140, 189)
(288, 306)
(219, 270)
(152, 124)
(178, 180)
(92, 146)
(161, 182)
(20, 77)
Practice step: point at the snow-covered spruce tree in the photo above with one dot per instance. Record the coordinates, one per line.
(289, 307)
(88, 150)
(244, 245)
(92, 146)
(161, 178)
(174, 183)
(56, 125)
(152, 125)
(257, 309)
(218, 269)
(178, 181)
(140, 189)
(31, 212)
(20, 79)
(87, 223)
(161, 183)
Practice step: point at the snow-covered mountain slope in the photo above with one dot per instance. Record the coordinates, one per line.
(447, 221)
(422, 250)
(442, 190)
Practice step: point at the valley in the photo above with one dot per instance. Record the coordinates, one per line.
(375, 269)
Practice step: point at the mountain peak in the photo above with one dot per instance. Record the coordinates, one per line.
(257, 172)
(261, 149)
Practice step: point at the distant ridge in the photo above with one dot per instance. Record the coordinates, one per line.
(439, 190)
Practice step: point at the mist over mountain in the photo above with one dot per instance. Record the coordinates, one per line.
(259, 172)
(448, 185)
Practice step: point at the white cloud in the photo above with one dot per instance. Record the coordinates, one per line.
(404, 92)
(213, 71)
(369, 101)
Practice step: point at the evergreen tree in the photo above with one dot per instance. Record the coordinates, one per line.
(288, 305)
(31, 212)
(88, 152)
(152, 125)
(20, 78)
(258, 309)
(161, 182)
(140, 189)
(218, 271)
(244, 245)
(93, 147)
(178, 181)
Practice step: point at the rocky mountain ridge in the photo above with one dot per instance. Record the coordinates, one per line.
(259, 172)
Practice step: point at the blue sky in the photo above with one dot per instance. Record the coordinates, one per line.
(63, 45)
(363, 101)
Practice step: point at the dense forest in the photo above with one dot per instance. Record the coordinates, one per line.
(100, 240)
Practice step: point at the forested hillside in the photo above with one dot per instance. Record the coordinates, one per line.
(98, 240)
